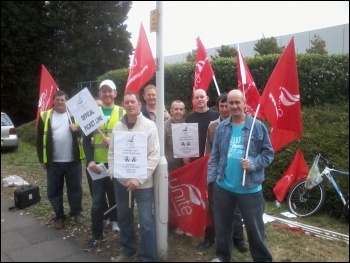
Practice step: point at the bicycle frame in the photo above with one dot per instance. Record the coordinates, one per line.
(307, 198)
(328, 173)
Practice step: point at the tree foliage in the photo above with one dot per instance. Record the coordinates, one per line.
(75, 40)
(191, 57)
(318, 46)
(225, 52)
(267, 46)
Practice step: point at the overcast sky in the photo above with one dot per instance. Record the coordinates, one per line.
(230, 22)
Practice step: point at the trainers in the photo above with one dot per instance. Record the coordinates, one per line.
(179, 231)
(58, 224)
(91, 244)
(216, 260)
(106, 222)
(241, 246)
(124, 258)
(115, 226)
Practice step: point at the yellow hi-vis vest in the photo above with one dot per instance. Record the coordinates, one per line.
(101, 150)
(45, 116)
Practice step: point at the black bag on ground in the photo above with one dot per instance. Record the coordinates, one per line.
(26, 195)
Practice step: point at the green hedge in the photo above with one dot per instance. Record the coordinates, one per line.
(322, 78)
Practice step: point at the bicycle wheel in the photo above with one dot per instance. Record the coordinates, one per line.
(304, 202)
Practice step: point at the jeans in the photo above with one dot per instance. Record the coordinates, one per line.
(209, 233)
(57, 173)
(145, 201)
(252, 209)
(237, 236)
(111, 199)
(101, 188)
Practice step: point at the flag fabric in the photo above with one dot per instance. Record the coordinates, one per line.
(143, 66)
(247, 85)
(188, 201)
(47, 89)
(281, 100)
(297, 170)
(203, 73)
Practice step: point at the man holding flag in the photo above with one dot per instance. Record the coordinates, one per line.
(225, 168)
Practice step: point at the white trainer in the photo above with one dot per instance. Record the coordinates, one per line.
(115, 226)
(106, 222)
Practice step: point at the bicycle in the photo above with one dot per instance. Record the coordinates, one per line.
(306, 197)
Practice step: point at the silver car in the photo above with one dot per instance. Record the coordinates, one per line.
(9, 137)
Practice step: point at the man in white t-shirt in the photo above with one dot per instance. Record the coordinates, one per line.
(60, 153)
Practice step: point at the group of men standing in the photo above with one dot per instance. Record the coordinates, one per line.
(224, 134)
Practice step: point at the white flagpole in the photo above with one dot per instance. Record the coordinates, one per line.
(248, 145)
(216, 85)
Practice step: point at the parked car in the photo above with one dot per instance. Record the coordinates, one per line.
(9, 136)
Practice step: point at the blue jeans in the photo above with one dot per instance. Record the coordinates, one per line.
(209, 234)
(101, 188)
(252, 209)
(144, 200)
(56, 174)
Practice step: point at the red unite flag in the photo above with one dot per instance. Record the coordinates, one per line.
(297, 170)
(188, 204)
(247, 85)
(143, 66)
(47, 89)
(203, 73)
(281, 100)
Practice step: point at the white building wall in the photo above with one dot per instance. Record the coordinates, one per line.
(336, 38)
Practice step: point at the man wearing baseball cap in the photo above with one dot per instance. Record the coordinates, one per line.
(96, 151)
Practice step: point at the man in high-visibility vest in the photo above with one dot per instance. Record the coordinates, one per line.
(96, 151)
(60, 154)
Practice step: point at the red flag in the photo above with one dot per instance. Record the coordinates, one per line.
(203, 71)
(188, 204)
(297, 170)
(143, 66)
(281, 100)
(47, 89)
(247, 85)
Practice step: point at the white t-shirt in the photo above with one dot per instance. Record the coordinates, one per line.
(62, 137)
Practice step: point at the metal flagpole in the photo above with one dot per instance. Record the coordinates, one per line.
(161, 173)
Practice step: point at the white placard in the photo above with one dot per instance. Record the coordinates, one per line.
(130, 154)
(185, 140)
(85, 110)
(103, 172)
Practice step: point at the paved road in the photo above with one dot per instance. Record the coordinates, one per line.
(24, 239)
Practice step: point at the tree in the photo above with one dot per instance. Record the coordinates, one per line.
(318, 46)
(191, 57)
(225, 52)
(23, 46)
(89, 38)
(75, 40)
(267, 46)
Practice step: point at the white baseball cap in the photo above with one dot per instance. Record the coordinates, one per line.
(108, 83)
